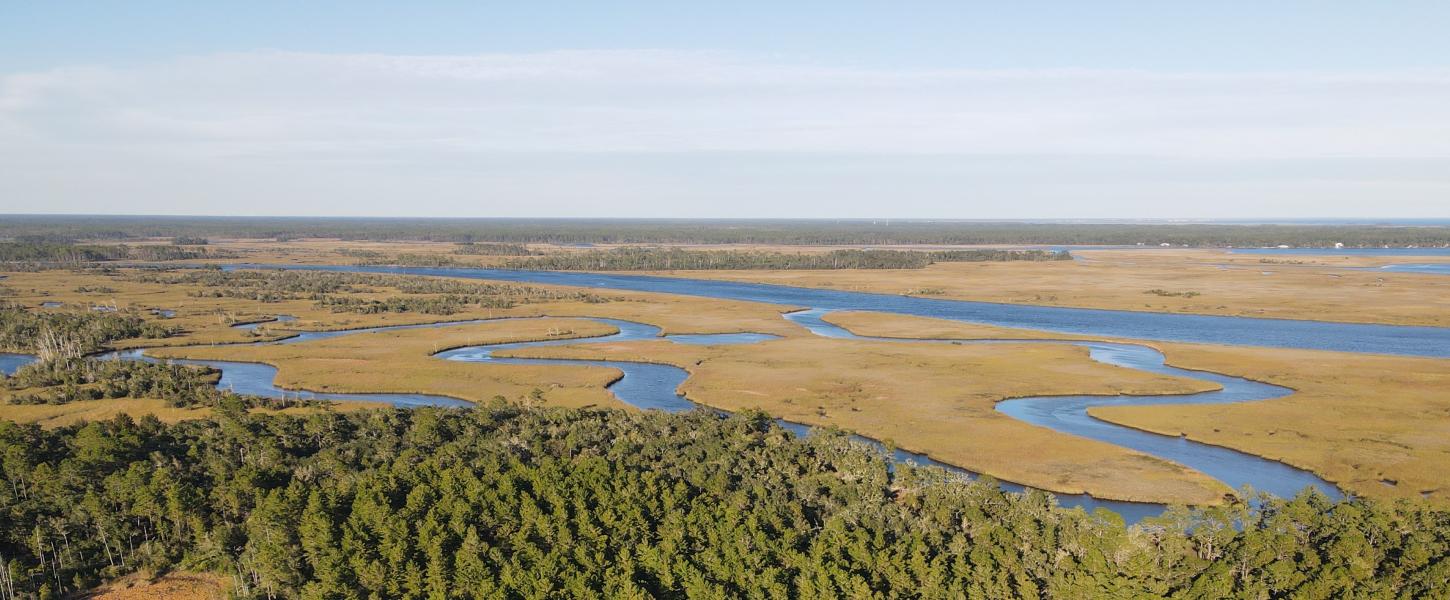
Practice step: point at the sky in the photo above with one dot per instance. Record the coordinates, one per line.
(962, 110)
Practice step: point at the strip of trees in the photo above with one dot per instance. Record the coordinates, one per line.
(721, 231)
(361, 293)
(508, 502)
(666, 259)
(31, 255)
(473, 249)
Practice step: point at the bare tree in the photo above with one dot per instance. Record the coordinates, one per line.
(54, 344)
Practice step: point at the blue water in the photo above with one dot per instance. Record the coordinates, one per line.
(1346, 251)
(269, 322)
(10, 363)
(717, 339)
(1428, 268)
(1242, 331)
(643, 385)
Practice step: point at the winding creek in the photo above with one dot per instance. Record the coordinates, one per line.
(655, 386)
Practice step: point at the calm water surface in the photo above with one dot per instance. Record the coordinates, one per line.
(1345, 251)
(10, 362)
(1427, 268)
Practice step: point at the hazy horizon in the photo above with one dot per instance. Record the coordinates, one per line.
(1301, 221)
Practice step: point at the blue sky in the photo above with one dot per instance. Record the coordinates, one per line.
(1213, 36)
(815, 109)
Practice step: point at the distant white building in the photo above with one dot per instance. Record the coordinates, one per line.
(1338, 245)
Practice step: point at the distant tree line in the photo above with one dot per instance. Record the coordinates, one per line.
(429, 305)
(161, 253)
(474, 249)
(43, 252)
(261, 286)
(665, 259)
(507, 502)
(721, 231)
(407, 259)
(40, 254)
(358, 292)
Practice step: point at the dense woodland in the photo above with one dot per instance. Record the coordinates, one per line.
(664, 259)
(719, 231)
(507, 502)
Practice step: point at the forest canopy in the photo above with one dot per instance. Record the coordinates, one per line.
(508, 502)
